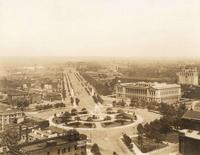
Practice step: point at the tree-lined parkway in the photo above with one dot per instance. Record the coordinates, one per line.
(107, 139)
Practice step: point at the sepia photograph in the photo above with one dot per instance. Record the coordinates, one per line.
(99, 77)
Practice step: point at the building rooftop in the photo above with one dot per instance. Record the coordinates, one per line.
(196, 105)
(6, 110)
(14, 92)
(48, 132)
(154, 85)
(41, 144)
(192, 115)
(195, 134)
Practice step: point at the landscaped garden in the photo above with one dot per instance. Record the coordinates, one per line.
(84, 119)
(146, 144)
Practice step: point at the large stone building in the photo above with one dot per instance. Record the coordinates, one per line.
(10, 116)
(189, 137)
(159, 92)
(188, 76)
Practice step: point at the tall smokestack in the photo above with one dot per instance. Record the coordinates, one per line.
(27, 134)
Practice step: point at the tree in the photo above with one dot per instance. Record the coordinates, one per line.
(181, 110)
(71, 100)
(77, 101)
(114, 103)
(146, 128)
(127, 140)
(42, 85)
(77, 118)
(121, 121)
(120, 111)
(109, 109)
(95, 99)
(158, 136)
(66, 114)
(131, 104)
(122, 103)
(64, 94)
(99, 98)
(140, 140)
(10, 136)
(74, 111)
(140, 129)
(165, 125)
(107, 118)
(83, 109)
(90, 119)
(73, 135)
(22, 103)
(166, 109)
(95, 149)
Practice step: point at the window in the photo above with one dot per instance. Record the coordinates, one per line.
(82, 153)
(64, 150)
(75, 147)
(58, 151)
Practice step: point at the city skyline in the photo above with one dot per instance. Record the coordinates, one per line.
(100, 28)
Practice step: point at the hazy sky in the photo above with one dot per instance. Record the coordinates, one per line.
(100, 27)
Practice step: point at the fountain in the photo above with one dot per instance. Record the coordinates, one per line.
(97, 112)
(99, 118)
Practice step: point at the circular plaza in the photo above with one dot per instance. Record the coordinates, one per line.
(98, 118)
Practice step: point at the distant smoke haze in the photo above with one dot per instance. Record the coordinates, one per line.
(130, 28)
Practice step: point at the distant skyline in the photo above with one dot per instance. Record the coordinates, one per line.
(116, 28)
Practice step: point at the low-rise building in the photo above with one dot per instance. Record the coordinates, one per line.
(9, 116)
(72, 143)
(189, 137)
(53, 96)
(14, 94)
(159, 92)
(39, 134)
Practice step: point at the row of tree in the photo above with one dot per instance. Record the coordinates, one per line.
(127, 140)
(97, 98)
(159, 128)
(21, 103)
(77, 100)
(49, 106)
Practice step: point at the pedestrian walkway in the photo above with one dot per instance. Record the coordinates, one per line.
(98, 125)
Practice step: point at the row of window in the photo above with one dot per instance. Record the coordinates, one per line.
(63, 151)
(167, 92)
(68, 149)
(137, 91)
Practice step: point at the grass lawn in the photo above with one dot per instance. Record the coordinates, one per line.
(114, 124)
(81, 125)
(148, 145)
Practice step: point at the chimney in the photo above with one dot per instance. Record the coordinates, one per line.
(27, 134)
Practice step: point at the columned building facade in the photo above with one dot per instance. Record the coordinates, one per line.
(159, 92)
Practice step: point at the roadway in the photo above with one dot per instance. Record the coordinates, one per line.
(108, 140)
